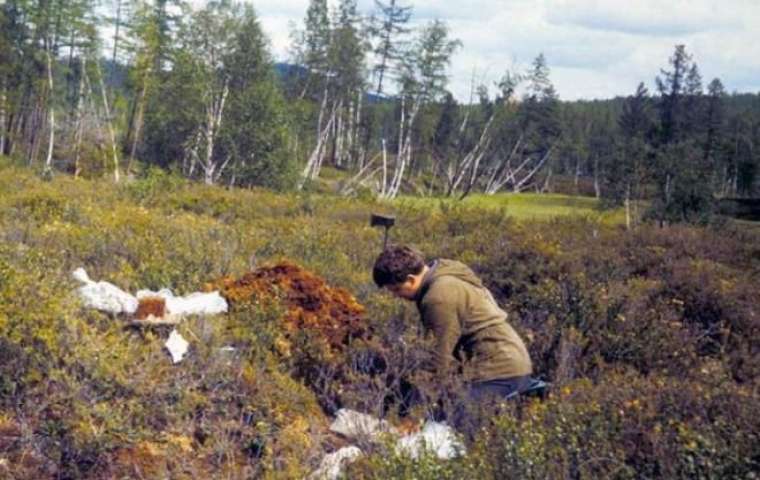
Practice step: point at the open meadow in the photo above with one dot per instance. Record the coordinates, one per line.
(649, 337)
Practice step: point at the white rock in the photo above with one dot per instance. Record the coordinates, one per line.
(332, 465)
(104, 296)
(177, 346)
(352, 424)
(435, 437)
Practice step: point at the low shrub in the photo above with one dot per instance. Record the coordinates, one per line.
(649, 338)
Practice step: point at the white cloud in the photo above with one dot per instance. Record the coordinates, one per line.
(647, 17)
(595, 48)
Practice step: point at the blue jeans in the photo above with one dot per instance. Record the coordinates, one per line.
(498, 389)
(482, 401)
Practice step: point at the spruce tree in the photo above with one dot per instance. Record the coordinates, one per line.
(390, 30)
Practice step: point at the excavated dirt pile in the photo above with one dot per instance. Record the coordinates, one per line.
(310, 303)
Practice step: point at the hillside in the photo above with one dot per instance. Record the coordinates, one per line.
(650, 337)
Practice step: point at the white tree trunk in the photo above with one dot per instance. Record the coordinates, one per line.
(628, 206)
(361, 176)
(597, 187)
(338, 144)
(79, 128)
(94, 108)
(404, 154)
(668, 185)
(311, 167)
(51, 109)
(385, 171)
(355, 143)
(523, 182)
(474, 155)
(109, 122)
(214, 111)
(502, 173)
(3, 100)
(388, 189)
(138, 125)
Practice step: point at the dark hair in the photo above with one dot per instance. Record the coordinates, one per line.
(395, 264)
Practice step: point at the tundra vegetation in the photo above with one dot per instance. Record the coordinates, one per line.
(650, 337)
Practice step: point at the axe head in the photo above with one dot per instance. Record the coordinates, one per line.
(378, 220)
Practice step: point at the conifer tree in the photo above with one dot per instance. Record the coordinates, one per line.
(390, 30)
(682, 175)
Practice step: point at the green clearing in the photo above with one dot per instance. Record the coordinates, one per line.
(529, 206)
(519, 206)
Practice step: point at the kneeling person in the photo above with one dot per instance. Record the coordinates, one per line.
(470, 329)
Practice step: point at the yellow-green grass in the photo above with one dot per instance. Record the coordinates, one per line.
(529, 206)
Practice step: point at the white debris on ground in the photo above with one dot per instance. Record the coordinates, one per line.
(333, 464)
(194, 304)
(104, 296)
(107, 297)
(437, 438)
(355, 425)
(177, 346)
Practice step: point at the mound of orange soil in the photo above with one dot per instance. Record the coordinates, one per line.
(309, 302)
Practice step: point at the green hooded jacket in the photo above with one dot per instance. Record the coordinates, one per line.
(468, 325)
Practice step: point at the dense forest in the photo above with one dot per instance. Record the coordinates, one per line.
(114, 89)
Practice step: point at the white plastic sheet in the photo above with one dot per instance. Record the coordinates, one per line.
(194, 304)
(352, 424)
(107, 297)
(104, 296)
(435, 437)
(332, 465)
(177, 346)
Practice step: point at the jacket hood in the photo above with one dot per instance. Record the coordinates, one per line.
(451, 268)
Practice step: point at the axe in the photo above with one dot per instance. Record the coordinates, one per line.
(385, 221)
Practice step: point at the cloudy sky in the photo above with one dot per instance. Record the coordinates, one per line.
(595, 48)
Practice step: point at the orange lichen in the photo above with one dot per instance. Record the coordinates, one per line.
(155, 306)
(309, 302)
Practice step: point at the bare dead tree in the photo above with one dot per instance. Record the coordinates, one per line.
(51, 108)
(214, 110)
(109, 123)
(314, 164)
(519, 177)
(79, 117)
(3, 112)
(404, 152)
(361, 176)
(471, 161)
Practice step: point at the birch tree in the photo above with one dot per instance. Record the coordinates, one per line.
(335, 58)
(389, 28)
(423, 79)
(208, 38)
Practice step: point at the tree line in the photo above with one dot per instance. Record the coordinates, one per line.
(114, 89)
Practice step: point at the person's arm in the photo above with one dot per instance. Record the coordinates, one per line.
(442, 319)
